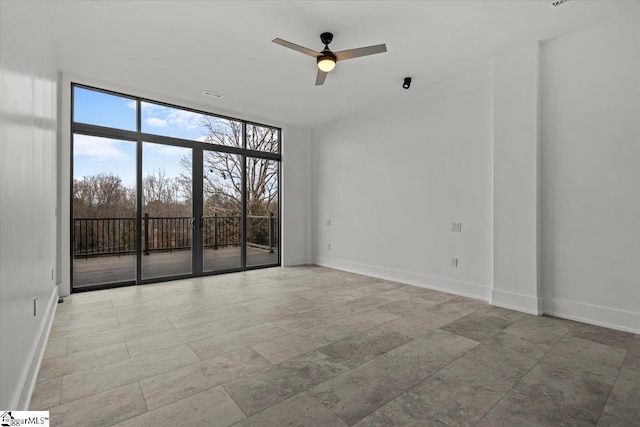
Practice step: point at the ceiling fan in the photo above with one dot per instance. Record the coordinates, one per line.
(326, 59)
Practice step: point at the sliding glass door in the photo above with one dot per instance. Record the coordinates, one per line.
(171, 193)
(222, 194)
(167, 211)
(104, 198)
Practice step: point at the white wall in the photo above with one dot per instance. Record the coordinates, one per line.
(538, 158)
(515, 179)
(28, 102)
(295, 195)
(393, 177)
(591, 174)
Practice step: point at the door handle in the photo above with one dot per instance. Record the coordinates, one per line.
(192, 223)
(201, 223)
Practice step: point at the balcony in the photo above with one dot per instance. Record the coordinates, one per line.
(104, 249)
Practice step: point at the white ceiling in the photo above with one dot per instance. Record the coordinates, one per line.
(180, 48)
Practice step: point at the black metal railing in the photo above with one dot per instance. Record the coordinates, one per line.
(262, 231)
(221, 231)
(165, 234)
(104, 236)
(117, 236)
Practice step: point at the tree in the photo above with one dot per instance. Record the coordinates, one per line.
(165, 196)
(223, 171)
(223, 174)
(103, 195)
(98, 197)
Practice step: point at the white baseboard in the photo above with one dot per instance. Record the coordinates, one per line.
(607, 317)
(22, 398)
(293, 261)
(457, 287)
(516, 301)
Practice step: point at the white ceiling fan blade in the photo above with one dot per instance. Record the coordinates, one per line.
(361, 51)
(320, 77)
(296, 47)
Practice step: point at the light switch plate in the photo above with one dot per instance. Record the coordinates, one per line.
(456, 227)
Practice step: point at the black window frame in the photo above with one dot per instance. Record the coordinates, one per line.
(140, 137)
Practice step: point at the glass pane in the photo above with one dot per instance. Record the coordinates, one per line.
(222, 208)
(262, 212)
(263, 138)
(102, 109)
(167, 210)
(104, 211)
(174, 122)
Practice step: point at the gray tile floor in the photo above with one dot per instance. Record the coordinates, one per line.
(310, 346)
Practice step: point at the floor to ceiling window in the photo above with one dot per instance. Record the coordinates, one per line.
(162, 192)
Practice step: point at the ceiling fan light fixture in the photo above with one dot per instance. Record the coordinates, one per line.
(326, 62)
(326, 59)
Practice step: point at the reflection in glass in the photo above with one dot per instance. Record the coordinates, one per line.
(222, 211)
(167, 210)
(262, 235)
(104, 211)
(263, 138)
(103, 109)
(174, 122)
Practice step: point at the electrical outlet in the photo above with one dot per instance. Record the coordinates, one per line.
(328, 222)
(456, 227)
(454, 262)
(329, 246)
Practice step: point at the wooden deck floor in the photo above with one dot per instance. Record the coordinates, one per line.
(110, 269)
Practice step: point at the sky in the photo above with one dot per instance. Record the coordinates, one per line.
(95, 155)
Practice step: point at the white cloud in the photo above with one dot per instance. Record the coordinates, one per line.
(156, 115)
(166, 150)
(203, 138)
(149, 107)
(100, 149)
(184, 119)
(160, 116)
(172, 150)
(155, 122)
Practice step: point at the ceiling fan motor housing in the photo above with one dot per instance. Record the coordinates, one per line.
(326, 38)
(327, 54)
(326, 60)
